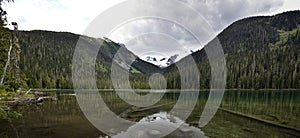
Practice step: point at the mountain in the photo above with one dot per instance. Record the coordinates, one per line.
(172, 59)
(46, 59)
(162, 62)
(261, 52)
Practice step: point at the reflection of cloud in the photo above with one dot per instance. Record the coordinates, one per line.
(159, 125)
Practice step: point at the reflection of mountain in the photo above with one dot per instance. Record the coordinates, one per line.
(161, 124)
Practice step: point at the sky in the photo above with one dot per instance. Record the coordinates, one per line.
(74, 16)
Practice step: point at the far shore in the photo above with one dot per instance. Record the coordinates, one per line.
(160, 90)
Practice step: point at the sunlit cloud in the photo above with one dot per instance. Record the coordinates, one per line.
(74, 16)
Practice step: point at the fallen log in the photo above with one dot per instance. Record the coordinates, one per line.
(273, 123)
(35, 100)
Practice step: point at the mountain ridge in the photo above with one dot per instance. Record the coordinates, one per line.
(46, 58)
(261, 52)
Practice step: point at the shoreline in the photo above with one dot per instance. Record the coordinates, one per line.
(45, 91)
(167, 90)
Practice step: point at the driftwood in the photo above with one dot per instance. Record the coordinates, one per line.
(27, 91)
(35, 100)
(39, 93)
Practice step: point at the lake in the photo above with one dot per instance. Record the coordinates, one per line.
(243, 113)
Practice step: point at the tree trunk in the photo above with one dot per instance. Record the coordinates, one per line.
(7, 64)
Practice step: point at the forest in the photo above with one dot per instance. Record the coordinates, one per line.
(261, 53)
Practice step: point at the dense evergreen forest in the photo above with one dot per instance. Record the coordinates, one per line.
(261, 52)
(46, 59)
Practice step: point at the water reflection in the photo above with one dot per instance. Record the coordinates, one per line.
(282, 107)
(155, 125)
(65, 119)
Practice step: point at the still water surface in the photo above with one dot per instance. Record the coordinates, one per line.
(64, 118)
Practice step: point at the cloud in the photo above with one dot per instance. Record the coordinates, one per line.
(221, 13)
(155, 35)
(74, 16)
(218, 13)
(56, 15)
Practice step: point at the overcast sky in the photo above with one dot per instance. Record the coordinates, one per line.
(74, 16)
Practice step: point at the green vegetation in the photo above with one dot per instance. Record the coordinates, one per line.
(6, 112)
(11, 79)
(8, 115)
(281, 107)
(285, 37)
(261, 53)
(46, 59)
